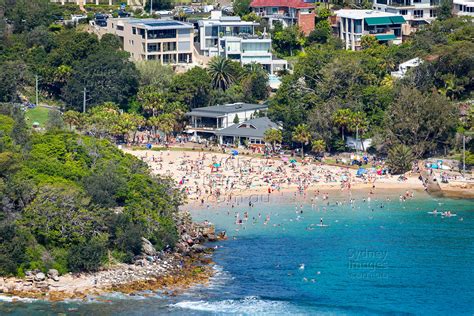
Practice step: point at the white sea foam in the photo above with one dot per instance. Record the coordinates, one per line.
(250, 305)
(6, 298)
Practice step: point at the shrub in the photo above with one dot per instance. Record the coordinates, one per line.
(88, 255)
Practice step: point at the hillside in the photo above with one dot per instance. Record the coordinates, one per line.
(75, 203)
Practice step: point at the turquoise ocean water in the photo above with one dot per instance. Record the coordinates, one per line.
(377, 257)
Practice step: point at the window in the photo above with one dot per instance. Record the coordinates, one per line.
(186, 46)
(155, 34)
(169, 58)
(184, 58)
(403, 12)
(358, 26)
(418, 13)
(134, 30)
(433, 13)
(154, 47)
(168, 47)
(119, 27)
(211, 31)
(416, 1)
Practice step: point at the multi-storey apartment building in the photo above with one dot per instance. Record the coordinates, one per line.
(463, 7)
(353, 24)
(166, 41)
(230, 37)
(415, 12)
(287, 12)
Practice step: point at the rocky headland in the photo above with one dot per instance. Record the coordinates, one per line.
(189, 264)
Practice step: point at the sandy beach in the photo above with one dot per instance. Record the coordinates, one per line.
(214, 177)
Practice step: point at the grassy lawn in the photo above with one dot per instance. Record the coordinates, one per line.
(37, 114)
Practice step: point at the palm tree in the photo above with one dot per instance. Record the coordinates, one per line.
(318, 146)
(222, 73)
(301, 135)
(72, 118)
(152, 101)
(342, 118)
(273, 136)
(400, 158)
(358, 123)
(166, 123)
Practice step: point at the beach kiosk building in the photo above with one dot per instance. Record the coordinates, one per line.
(250, 132)
(206, 121)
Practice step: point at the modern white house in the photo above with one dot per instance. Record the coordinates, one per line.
(463, 8)
(415, 12)
(353, 24)
(405, 66)
(206, 121)
(230, 37)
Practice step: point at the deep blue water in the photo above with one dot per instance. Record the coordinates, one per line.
(394, 259)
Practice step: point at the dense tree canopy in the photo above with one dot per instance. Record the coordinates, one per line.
(65, 199)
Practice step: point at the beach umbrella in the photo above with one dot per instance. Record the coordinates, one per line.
(217, 165)
(361, 171)
(284, 158)
(292, 161)
(234, 152)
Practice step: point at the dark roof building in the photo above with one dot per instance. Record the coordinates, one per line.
(252, 130)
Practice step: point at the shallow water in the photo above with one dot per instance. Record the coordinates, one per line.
(377, 257)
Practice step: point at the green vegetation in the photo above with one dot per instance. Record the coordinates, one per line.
(38, 114)
(66, 201)
(338, 93)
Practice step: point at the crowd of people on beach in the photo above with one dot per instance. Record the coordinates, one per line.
(215, 177)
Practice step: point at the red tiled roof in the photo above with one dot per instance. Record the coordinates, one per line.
(297, 4)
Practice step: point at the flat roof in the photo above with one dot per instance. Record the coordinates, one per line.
(157, 24)
(362, 14)
(227, 21)
(221, 110)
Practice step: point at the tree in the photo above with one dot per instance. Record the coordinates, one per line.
(155, 74)
(166, 123)
(273, 136)
(445, 10)
(241, 7)
(400, 159)
(342, 119)
(255, 82)
(72, 118)
(55, 120)
(287, 41)
(318, 146)
(107, 75)
(359, 124)
(301, 135)
(152, 101)
(222, 72)
(236, 119)
(421, 121)
(192, 88)
(12, 79)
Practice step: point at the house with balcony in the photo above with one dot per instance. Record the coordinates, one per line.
(164, 41)
(286, 12)
(463, 8)
(415, 12)
(206, 121)
(353, 24)
(230, 37)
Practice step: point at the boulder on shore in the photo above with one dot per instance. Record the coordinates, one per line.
(40, 276)
(147, 247)
(53, 274)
